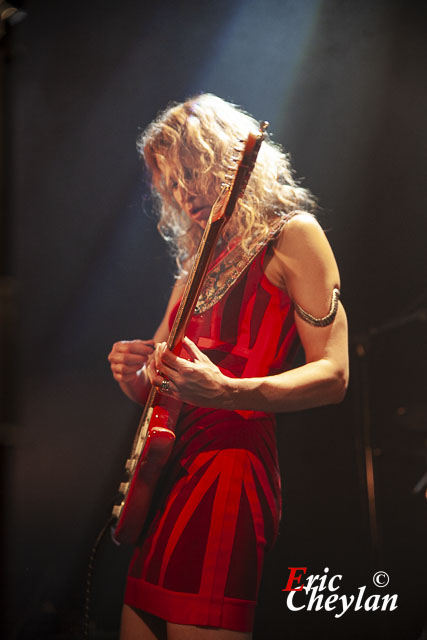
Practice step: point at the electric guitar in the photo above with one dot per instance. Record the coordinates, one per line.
(155, 437)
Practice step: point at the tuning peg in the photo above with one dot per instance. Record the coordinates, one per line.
(117, 509)
(124, 486)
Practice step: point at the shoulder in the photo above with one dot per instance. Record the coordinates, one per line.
(302, 231)
(304, 261)
(302, 246)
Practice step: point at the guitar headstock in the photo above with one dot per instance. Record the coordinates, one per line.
(238, 176)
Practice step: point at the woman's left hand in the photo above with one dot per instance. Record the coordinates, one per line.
(197, 381)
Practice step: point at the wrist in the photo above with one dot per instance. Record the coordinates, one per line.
(232, 393)
(244, 394)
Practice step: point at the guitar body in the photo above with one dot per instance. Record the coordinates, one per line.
(156, 452)
(155, 435)
(151, 450)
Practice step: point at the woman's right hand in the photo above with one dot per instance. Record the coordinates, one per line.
(127, 358)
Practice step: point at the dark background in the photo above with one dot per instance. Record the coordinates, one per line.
(343, 84)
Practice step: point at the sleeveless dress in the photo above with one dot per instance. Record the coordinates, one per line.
(218, 507)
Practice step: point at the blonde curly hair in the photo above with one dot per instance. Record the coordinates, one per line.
(191, 144)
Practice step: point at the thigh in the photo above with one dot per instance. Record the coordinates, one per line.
(139, 625)
(191, 632)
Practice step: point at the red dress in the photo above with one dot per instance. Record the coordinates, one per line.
(218, 508)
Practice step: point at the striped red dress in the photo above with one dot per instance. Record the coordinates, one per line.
(218, 508)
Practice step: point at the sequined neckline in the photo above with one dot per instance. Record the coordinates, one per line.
(227, 270)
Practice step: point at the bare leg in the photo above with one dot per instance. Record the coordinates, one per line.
(190, 632)
(138, 625)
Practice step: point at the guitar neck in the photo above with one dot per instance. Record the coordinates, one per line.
(195, 281)
(186, 307)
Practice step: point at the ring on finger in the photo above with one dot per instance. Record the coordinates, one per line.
(165, 386)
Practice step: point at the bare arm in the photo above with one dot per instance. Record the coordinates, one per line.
(128, 358)
(304, 260)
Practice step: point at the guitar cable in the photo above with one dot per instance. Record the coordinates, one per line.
(89, 577)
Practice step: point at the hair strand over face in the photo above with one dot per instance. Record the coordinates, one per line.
(191, 145)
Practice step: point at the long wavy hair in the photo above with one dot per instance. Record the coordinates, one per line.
(191, 144)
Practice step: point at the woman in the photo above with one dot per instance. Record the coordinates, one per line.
(274, 282)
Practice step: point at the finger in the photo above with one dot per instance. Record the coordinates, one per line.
(165, 356)
(157, 353)
(193, 350)
(171, 389)
(173, 365)
(123, 377)
(127, 358)
(125, 369)
(169, 358)
(141, 347)
(122, 372)
(153, 374)
(168, 372)
(157, 380)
